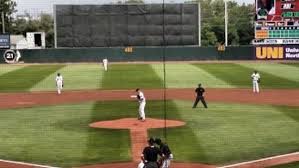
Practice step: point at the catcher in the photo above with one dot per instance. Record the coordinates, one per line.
(149, 155)
(167, 156)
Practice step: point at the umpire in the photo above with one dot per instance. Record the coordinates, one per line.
(200, 96)
(150, 155)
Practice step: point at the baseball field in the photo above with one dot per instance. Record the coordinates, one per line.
(39, 127)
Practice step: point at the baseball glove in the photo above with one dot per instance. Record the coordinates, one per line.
(258, 81)
(138, 97)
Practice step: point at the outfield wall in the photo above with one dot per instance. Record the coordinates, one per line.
(137, 54)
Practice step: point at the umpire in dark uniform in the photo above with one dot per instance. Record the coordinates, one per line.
(150, 155)
(200, 96)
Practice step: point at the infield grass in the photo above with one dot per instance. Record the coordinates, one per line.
(232, 133)
(290, 165)
(240, 76)
(22, 79)
(60, 136)
(221, 134)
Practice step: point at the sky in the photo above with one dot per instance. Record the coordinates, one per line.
(38, 6)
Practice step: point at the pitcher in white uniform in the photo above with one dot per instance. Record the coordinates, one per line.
(59, 83)
(141, 99)
(255, 81)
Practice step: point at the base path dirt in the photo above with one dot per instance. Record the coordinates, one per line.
(288, 97)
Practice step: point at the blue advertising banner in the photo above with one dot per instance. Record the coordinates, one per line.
(4, 41)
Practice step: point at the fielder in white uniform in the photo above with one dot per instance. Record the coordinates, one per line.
(59, 83)
(141, 99)
(255, 81)
(105, 64)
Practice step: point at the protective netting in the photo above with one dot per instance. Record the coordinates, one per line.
(126, 25)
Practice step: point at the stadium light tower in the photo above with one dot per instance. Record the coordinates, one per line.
(199, 24)
(226, 22)
(3, 24)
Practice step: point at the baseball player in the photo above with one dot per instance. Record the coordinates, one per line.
(200, 96)
(59, 83)
(141, 99)
(255, 81)
(167, 156)
(149, 155)
(105, 64)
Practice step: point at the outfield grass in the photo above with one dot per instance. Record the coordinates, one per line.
(129, 76)
(76, 77)
(239, 76)
(285, 71)
(5, 68)
(184, 75)
(292, 64)
(22, 79)
(290, 165)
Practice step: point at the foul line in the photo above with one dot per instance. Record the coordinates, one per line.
(261, 160)
(27, 164)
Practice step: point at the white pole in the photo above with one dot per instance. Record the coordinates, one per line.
(3, 24)
(226, 22)
(55, 26)
(199, 24)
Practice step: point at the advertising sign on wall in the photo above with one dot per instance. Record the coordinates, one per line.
(274, 52)
(4, 41)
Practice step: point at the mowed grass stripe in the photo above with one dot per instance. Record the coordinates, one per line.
(49, 135)
(183, 142)
(182, 75)
(281, 70)
(106, 145)
(232, 133)
(76, 77)
(240, 76)
(292, 64)
(60, 135)
(5, 68)
(129, 76)
(25, 78)
(289, 165)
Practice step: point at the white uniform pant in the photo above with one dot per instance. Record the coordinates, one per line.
(141, 110)
(59, 86)
(105, 66)
(141, 165)
(256, 86)
(166, 162)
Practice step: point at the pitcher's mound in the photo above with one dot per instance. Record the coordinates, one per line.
(132, 123)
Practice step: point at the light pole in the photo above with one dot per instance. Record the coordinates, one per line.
(226, 22)
(199, 24)
(3, 22)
